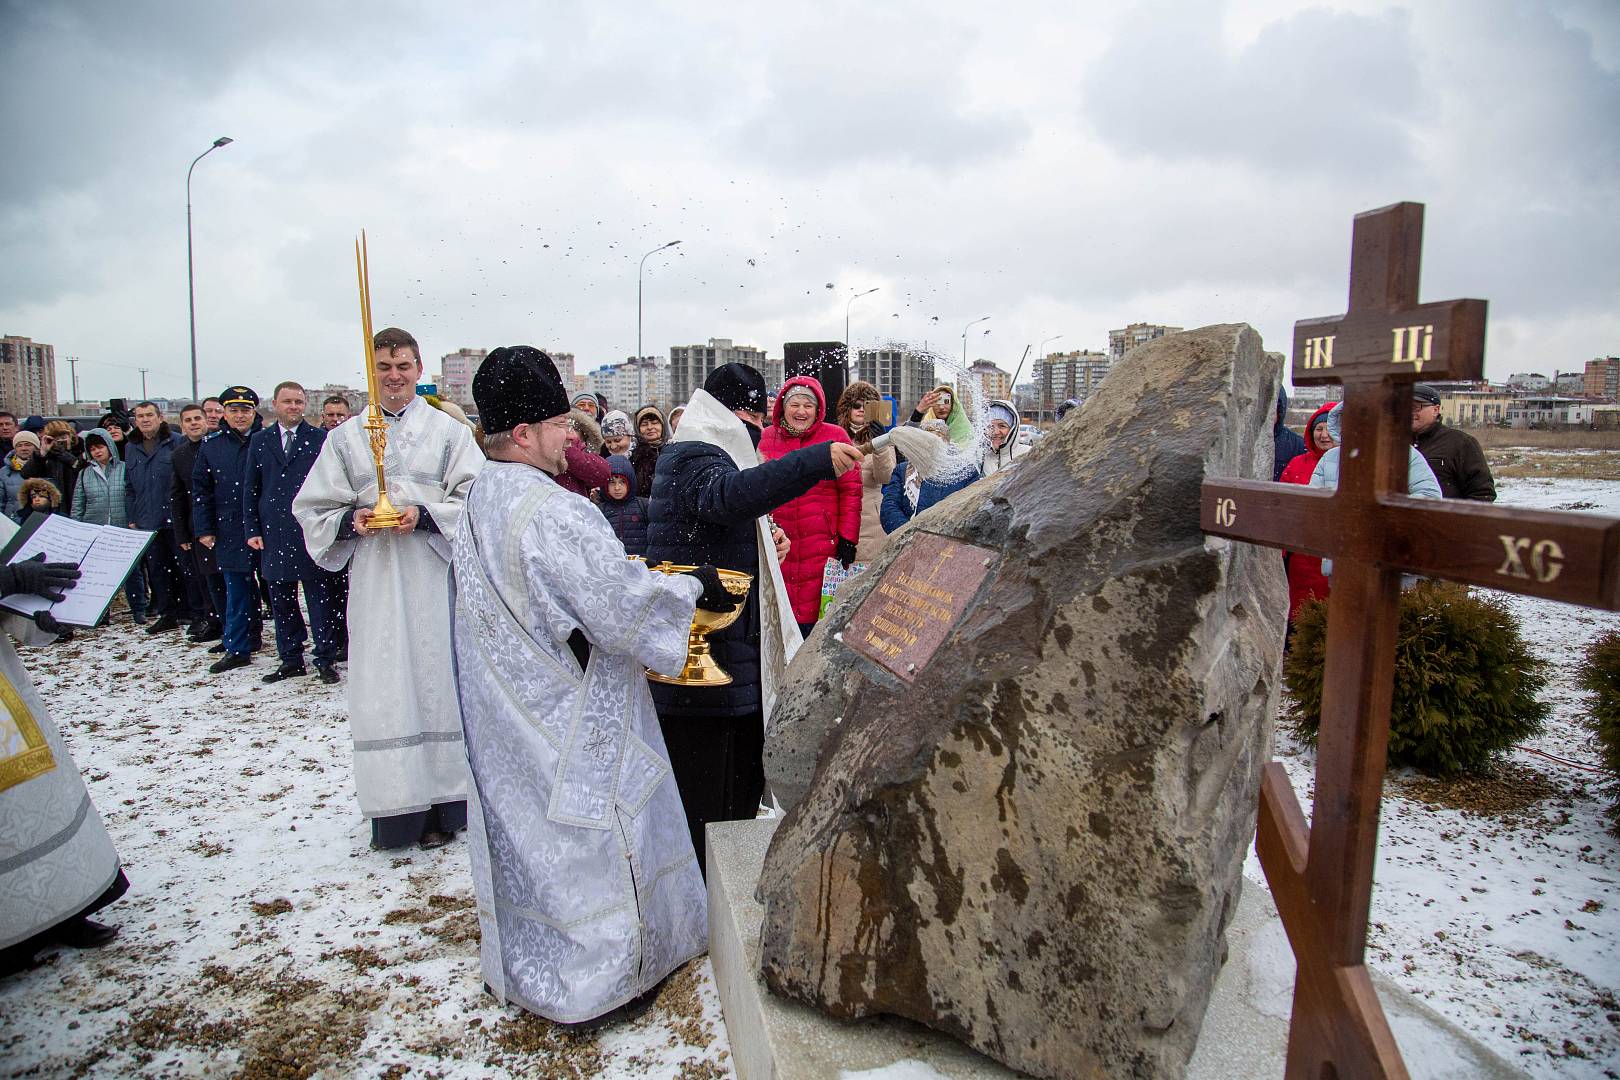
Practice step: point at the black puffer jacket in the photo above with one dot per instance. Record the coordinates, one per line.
(703, 510)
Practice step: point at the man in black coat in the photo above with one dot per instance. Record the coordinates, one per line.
(279, 459)
(1455, 456)
(196, 561)
(709, 495)
(148, 498)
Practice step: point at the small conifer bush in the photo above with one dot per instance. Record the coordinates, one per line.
(1599, 674)
(1465, 681)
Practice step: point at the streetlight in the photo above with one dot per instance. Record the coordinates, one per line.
(1040, 354)
(849, 349)
(641, 372)
(191, 285)
(965, 329)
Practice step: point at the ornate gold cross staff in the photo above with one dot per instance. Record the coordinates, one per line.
(1321, 875)
(384, 516)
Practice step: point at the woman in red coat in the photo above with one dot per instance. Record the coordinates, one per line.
(825, 521)
(1305, 580)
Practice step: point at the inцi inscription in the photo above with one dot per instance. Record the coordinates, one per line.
(911, 611)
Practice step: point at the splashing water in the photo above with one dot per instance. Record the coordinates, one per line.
(933, 457)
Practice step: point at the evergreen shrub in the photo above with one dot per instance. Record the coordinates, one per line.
(1465, 681)
(1599, 674)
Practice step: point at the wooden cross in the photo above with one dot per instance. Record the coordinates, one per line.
(1322, 876)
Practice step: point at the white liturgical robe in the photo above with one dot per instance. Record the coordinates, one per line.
(588, 889)
(402, 706)
(55, 854)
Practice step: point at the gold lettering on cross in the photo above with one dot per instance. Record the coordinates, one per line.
(1412, 345)
(1546, 559)
(1319, 352)
(1225, 513)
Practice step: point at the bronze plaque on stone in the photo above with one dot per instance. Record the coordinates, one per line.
(923, 592)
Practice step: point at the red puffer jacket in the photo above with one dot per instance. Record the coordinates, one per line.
(815, 520)
(1305, 580)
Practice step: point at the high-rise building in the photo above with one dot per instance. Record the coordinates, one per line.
(27, 377)
(1123, 341)
(456, 371)
(985, 381)
(1602, 378)
(632, 384)
(900, 374)
(1076, 374)
(689, 365)
(565, 366)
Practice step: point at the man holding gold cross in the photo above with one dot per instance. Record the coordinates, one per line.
(588, 888)
(410, 771)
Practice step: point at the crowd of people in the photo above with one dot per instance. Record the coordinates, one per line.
(585, 787)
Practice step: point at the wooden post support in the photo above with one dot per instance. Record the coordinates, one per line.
(1322, 875)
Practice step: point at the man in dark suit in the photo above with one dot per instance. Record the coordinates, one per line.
(279, 458)
(196, 561)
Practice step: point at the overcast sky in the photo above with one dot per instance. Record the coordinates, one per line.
(1063, 168)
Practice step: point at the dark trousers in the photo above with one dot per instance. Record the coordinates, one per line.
(244, 619)
(402, 829)
(198, 604)
(323, 600)
(719, 769)
(163, 572)
(340, 607)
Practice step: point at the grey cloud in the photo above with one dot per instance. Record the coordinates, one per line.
(1317, 92)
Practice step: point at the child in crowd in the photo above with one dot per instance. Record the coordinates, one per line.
(39, 496)
(625, 510)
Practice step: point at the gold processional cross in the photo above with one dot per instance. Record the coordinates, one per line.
(1322, 875)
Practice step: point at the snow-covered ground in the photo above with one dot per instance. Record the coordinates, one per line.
(262, 938)
(1506, 918)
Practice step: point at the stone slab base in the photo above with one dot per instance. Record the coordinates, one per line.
(1245, 1032)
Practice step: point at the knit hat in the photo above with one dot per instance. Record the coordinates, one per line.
(615, 423)
(1000, 410)
(517, 384)
(25, 437)
(584, 395)
(737, 386)
(35, 424)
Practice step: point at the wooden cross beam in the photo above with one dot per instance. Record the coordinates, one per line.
(1321, 876)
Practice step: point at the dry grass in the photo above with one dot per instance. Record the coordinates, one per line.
(1490, 437)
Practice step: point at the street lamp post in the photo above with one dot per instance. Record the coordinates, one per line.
(965, 329)
(641, 372)
(849, 348)
(191, 285)
(1040, 354)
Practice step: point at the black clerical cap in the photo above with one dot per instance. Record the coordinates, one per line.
(517, 384)
(737, 386)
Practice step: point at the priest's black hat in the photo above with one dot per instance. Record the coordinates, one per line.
(737, 386)
(517, 384)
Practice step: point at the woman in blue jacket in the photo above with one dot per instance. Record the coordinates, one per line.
(908, 494)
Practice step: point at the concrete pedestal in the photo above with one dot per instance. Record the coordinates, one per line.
(1245, 1032)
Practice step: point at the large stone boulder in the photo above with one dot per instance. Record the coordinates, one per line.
(1021, 756)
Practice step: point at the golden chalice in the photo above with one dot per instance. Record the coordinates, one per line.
(701, 668)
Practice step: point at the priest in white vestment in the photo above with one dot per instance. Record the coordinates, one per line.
(57, 863)
(410, 771)
(588, 888)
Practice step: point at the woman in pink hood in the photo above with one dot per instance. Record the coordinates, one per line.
(824, 522)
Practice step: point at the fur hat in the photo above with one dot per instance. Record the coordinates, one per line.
(36, 485)
(737, 386)
(517, 384)
(590, 432)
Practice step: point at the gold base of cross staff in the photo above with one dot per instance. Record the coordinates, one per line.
(384, 515)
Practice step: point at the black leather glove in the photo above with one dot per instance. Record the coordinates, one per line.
(846, 552)
(49, 580)
(715, 597)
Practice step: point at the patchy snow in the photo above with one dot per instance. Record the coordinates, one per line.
(261, 934)
(1509, 925)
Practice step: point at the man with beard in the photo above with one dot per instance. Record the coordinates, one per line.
(410, 768)
(710, 498)
(588, 890)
